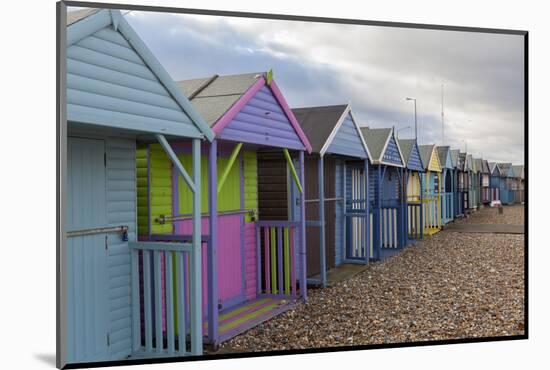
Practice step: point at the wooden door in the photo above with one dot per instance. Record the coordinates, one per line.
(86, 263)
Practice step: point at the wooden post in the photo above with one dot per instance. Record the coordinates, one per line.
(196, 266)
(213, 243)
(322, 246)
(344, 217)
(303, 277)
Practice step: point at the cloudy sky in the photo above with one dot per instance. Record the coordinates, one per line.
(374, 68)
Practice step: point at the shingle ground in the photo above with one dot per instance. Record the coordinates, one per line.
(451, 285)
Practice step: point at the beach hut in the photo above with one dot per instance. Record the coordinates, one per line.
(413, 174)
(117, 94)
(479, 170)
(518, 183)
(464, 181)
(494, 182)
(431, 178)
(254, 240)
(506, 179)
(337, 221)
(386, 192)
(447, 185)
(485, 182)
(471, 181)
(458, 196)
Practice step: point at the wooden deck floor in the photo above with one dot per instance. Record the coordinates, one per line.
(246, 316)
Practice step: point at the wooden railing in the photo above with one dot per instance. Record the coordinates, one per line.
(356, 230)
(447, 206)
(389, 224)
(161, 273)
(414, 219)
(431, 203)
(276, 269)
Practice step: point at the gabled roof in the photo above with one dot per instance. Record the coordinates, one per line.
(213, 96)
(485, 167)
(220, 98)
(427, 153)
(377, 140)
(477, 162)
(469, 165)
(112, 111)
(454, 157)
(444, 156)
(518, 171)
(492, 166)
(321, 125)
(407, 147)
(505, 169)
(462, 162)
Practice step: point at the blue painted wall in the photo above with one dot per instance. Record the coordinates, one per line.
(391, 155)
(415, 163)
(263, 121)
(339, 193)
(347, 140)
(121, 210)
(108, 82)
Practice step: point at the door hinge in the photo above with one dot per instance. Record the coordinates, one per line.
(108, 340)
(106, 244)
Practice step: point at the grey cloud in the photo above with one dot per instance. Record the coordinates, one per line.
(374, 68)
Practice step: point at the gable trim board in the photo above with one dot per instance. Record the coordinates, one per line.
(390, 136)
(103, 18)
(336, 128)
(228, 116)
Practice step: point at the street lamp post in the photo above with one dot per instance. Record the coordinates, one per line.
(415, 129)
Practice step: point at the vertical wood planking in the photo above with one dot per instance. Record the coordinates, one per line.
(136, 329)
(280, 259)
(180, 289)
(147, 300)
(267, 260)
(258, 262)
(169, 302)
(158, 299)
(293, 262)
(286, 261)
(273, 259)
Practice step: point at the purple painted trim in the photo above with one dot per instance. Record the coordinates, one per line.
(280, 98)
(258, 261)
(213, 294)
(234, 110)
(303, 277)
(278, 223)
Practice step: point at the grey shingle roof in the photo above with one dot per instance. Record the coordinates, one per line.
(518, 170)
(76, 15)
(504, 168)
(454, 157)
(219, 95)
(406, 146)
(318, 122)
(425, 154)
(375, 138)
(442, 152)
(478, 164)
(485, 167)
